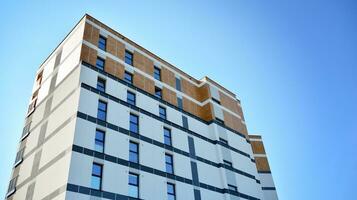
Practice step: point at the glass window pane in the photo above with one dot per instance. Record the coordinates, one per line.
(101, 115)
(133, 179)
(133, 128)
(133, 119)
(168, 159)
(102, 105)
(99, 135)
(133, 191)
(169, 168)
(99, 146)
(133, 157)
(167, 141)
(133, 147)
(97, 170)
(170, 188)
(170, 197)
(95, 182)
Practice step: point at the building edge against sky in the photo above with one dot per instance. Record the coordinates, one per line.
(108, 118)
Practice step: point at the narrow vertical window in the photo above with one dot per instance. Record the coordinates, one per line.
(157, 73)
(102, 110)
(184, 122)
(19, 156)
(128, 77)
(99, 141)
(131, 98)
(134, 123)
(12, 187)
(158, 92)
(102, 43)
(171, 194)
(167, 137)
(96, 181)
(178, 84)
(162, 112)
(128, 57)
(100, 63)
(133, 185)
(133, 152)
(101, 84)
(169, 163)
(179, 102)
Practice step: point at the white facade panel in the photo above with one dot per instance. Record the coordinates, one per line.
(115, 178)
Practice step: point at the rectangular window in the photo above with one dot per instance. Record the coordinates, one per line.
(178, 84)
(96, 181)
(223, 141)
(131, 98)
(171, 194)
(133, 152)
(169, 162)
(128, 77)
(184, 122)
(158, 92)
(101, 84)
(232, 187)
(25, 131)
(133, 185)
(167, 137)
(179, 102)
(102, 43)
(227, 163)
(134, 123)
(157, 73)
(99, 141)
(102, 110)
(19, 157)
(128, 57)
(12, 187)
(100, 63)
(162, 112)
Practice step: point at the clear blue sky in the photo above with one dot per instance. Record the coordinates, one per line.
(292, 63)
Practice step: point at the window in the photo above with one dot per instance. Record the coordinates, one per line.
(179, 102)
(223, 141)
(96, 181)
(12, 187)
(216, 101)
(19, 156)
(178, 84)
(169, 163)
(171, 194)
(101, 84)
(128, 57)
(100, 63)
(133, 185)
(26, 131)
(130, 98)
(157, 73)
(158, 92)
(167, 137)
(128, 77)
(133, 152)
(162, 112)
(184, 122)
(102, 110)
(99, 141)
(134, 123)
(102, 43)
(227, 163)
(232, 187)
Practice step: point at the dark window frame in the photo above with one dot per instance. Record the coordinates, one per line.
(136, 124)
(162, 112)
(136, 153)
(99, 82)
(173, 193)
(179, 103)
(170, 164)
(220, 121)
(135, 184)
(102, 142)
(178, 84)
(157, 73)
(167, 137)
(216, 101)
(129, 57)
(232, 187)
(227, 163)
(102, 43)
(128, 74)
(98, 176)
(224, 141)
(101, 110)
(158, 92)
(131, 101)
(96, 63)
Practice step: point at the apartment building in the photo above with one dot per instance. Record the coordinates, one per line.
(108, 119)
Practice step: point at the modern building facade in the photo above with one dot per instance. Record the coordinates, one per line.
(108, 119)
